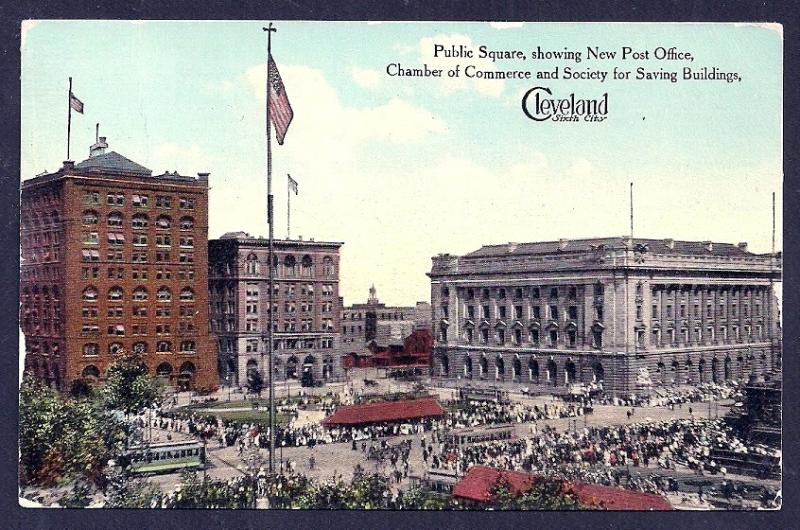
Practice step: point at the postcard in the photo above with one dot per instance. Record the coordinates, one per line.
(401, 265)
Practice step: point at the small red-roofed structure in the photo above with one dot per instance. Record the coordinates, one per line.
(388, 411)
(476, 485)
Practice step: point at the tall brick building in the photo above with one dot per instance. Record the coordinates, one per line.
(630, 314)
(360, 321)
(114, 260)
(306, 308)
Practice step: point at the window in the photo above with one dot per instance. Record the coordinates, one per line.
(90, 349)
(114, 219)
(186, 203)
(188, 346)
(115, 293)
(140, 257)
(139, 311)
(572, 312)
(573, 292)
(163, 240)
(163, 346)
(186, 242)
(517, 311)
(117, 329)
(139, 221)
(535, 293)
(163, 311)
(669, 311)
(163, 223)
(140, 201)
(554, 292)
(187, 223)
(501, 294)
(536, 312)
(115, 348)
(89, 218)
(485, 335)
(501, 336)
(553, 312)
(518, 293)
(470, 294)
(638, 311)
(91, 198)
(139, 240)
(116, 238)
(115, 199)
(140, 347)
(90, 238)
(328, 268)
(572, 337)
(598, 312)
(164, 295)
(655, 311)
(90, 294)
(163, 201)
(162, 256)
(140, 294)
(485, 311)
(535, 337)
(553, 338)
(187, 295)
(502, 309)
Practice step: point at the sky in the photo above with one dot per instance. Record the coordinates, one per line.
(402, 169)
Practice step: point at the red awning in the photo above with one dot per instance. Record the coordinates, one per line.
(389, 411)
(478, 482)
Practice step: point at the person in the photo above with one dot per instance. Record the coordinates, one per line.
(311, 462)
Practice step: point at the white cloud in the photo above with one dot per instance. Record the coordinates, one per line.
(493, 88)
(186, 160)
(365, 78)
(506, 25)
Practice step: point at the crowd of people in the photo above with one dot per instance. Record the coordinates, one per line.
(474, 413)
(671, 397)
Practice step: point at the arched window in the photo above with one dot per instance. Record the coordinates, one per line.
(164, 370)
(163, 346)
(307, 266)
(251, 264)
(290, 265)
(139, 221)
(140, 347)
(188, 346)
(115, 348)
(115, 294)
(90, 294)
(90, 372)
(140, 294)
(89, 218)
(327, 266)
(187, 223)
(115, 219)
(187, 295)
(163, 222)
(164, 294)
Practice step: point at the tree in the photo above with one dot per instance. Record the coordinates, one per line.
(128, 387)
(124, 492)
(255, 383)
(544, 493)
(81, 389)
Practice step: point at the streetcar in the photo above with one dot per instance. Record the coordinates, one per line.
(484, 433)
(165, 457)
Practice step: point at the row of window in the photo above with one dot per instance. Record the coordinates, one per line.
(348, 315)
(709, 313)
(138, 240)
(119, 330)
(91, 312)
(163, 346)
(570, 312)
(699, 337)
(517, 336)
(139, 221)
(519, 293)
(290, 265)
(137, 256)
(118, 273)
(138, 200)
(163, 294)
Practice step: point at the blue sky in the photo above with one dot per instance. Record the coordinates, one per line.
(402, 169)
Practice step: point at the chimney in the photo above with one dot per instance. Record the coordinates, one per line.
(670, 243)
(743, 245)
(203, 176)
(99, 148)
(68, 164)
(709, 245)
(562, 243)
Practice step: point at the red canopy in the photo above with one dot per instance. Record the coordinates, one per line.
(388, 411)
(478, 481)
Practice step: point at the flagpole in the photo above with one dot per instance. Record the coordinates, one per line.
(269, 29)
(288, 209)
(69, 114)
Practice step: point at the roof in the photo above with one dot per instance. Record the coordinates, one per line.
(112, 162)
(478, 481)
(390, 411)
(654, 246)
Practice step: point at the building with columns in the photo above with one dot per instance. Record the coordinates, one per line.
(114, 261)
(306, 308)
(629, 315)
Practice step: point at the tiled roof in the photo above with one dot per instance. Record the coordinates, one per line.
(478, 482)
(385, 411)
(112, 162)
(655, 246)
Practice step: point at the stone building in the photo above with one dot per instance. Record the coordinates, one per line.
(628, 315)
(113, 261)
(306, 308)
(360, 321)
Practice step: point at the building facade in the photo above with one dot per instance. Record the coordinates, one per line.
(114, 261)
(360, 322)
(631, 315)
(306, 308)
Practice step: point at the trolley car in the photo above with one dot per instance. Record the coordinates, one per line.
(473, 435)
(165, 457)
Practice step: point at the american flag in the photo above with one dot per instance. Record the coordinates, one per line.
(75, 103)
(279, 108)
(292, 184)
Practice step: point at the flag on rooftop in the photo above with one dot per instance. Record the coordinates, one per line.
(292, 184)
(280, 110)
(75, 103)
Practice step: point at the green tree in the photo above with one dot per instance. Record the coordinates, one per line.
(544, 493)
(124, 492)
(81, 389)
(128, 388)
